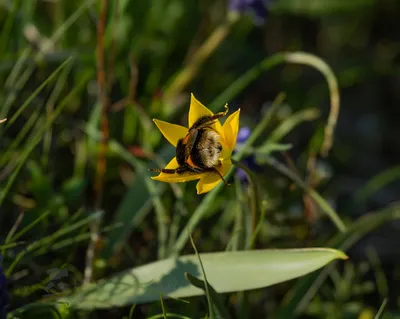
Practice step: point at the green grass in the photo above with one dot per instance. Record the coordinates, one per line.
(79, 97)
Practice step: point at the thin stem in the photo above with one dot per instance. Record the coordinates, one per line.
(210, 197)
(319, 64)
(210, 307)
(101, 163)
(312, 193)
(254, 200)
(303, 58)
(181, 80)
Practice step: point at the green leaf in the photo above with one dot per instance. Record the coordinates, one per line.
(226, 272)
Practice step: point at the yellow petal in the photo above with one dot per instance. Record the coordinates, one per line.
(210, 180)
(226, 153)
(231, 130)
(176, 178)
(198, 110)
(172, 132)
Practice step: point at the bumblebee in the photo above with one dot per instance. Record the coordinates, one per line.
(200, 149)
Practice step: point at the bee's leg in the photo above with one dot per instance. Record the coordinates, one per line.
(220, 114)
(188, 143)
(212, 119)
(163, 170)
(209, 120)
(220, 175)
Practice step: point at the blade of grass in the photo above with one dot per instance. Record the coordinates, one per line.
(381, 309)
(14, 228)
(291, 122)
(36, 92)
(243, 81)
(6, 156)
(169, 315)
(11, 245)
(221, 310)
(131, 311)
(28, 227)
(303, 58)
(46, 241)
(71, 241)
(30, 147)
(154, 194)
(15, 80)
(376, 183)
(298, 298)
(236, 241)
(7, 27)
(380, 276)
(163, 307)
(323, 204)
(133, 201)
(50, 109)
(101, 165)
(255, 199)
(209, 301)
(186, 74)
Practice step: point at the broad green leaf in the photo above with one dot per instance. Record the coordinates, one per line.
(226, 272)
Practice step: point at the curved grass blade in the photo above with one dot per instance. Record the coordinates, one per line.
(298, 57)
(37, 91)
(376, 183)
(37, 138)
(221, 311)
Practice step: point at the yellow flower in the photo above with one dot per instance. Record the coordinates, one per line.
(228, 134)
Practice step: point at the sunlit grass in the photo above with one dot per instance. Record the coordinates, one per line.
(76, 197)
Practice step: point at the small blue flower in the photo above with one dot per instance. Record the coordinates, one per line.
(243, 135)
(258, 7)
(4, 299)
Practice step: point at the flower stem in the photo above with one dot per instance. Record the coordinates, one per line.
(202, 209)
(297, 57)
(254, 199)
(312, 193)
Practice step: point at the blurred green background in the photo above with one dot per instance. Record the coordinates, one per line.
(52, 186)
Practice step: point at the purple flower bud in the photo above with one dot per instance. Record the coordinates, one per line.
(258, 7)
(243, 135)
